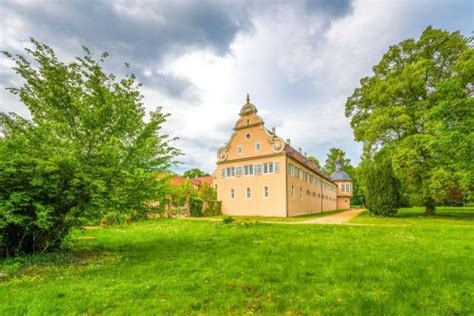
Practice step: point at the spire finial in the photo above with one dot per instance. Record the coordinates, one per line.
(248, 98)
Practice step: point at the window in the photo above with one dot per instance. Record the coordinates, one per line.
(248, 136)
(301, 193)
(240, 149)
(308, 192)
(266, 192)
(238, 171)
(343, 188)
(223, 173)
(276, 167)
(300, 174)
(248, 170)
(248, 122)
(292, 191)
(232, 193)
(258, 147)
(265, 167)
(248, 193)
(257, 169)
(230, 172)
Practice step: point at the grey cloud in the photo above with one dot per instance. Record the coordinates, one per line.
(334, 8)
(141, 33)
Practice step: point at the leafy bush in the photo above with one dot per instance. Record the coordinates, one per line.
(383, 189)
(195, 206)
(83, 154)
(228, 220)
(213, 208)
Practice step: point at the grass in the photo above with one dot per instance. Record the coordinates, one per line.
(169, 266)
(300, 218)
(454, 216)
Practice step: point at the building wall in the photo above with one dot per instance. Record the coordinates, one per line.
(312, 202)
(257, 204)
(344, 195)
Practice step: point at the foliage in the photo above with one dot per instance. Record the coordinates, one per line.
(194, 173)
(212, 208)
(417, 104)
(330, 164)
(383, 189)
(228, 220)
(83, 153)
(174, 267)
(314, 160)
(196, 206)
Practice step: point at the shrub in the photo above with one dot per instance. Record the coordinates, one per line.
(228, 220)
(213, 208)
(84, 151)
(195, 206)
(383, 189)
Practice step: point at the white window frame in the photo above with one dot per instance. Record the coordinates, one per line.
(266, 191)
(257, 169)
(240, 150)
(238, 171)
(259, 145)
(276, 167)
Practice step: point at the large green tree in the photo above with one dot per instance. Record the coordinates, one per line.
(333, 154)
(85, 151)
(195, 173)
(418, 105)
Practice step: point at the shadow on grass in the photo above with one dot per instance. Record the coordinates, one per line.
(455, 213)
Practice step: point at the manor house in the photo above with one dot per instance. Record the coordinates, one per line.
(260, 174)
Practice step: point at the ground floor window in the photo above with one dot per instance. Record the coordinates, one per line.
(266, 192)
(232, 193)
(248, 193)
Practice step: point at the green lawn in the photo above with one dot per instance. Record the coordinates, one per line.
(168, 266)
(300, 218)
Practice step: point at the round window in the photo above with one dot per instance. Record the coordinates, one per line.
(248, 136)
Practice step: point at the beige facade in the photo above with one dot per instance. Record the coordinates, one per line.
(259, 174)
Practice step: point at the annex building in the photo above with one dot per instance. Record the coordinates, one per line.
(260, 174)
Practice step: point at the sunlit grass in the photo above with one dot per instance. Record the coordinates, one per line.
(168, 266)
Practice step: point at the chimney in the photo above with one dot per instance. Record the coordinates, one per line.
(300, 150)
(288, 141)
(273, 130)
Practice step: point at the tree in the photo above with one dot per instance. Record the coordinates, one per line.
(330, 164)
(194, 173)
(416, 105)
(382, 188)
(315, 161)
(85, 151)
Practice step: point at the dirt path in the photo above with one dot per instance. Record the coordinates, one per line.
(340, 218)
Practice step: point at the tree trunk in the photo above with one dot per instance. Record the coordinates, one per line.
(429, 207)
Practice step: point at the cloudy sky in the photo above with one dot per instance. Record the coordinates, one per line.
(298, 60)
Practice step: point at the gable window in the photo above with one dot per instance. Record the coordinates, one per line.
(248, 193)
(258, 146)
(232, 193)
(248, 122)
(248, 136)
(240, 149)
(266, 192)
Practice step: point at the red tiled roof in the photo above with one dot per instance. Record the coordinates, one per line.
(206, 179)
(295, 154)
